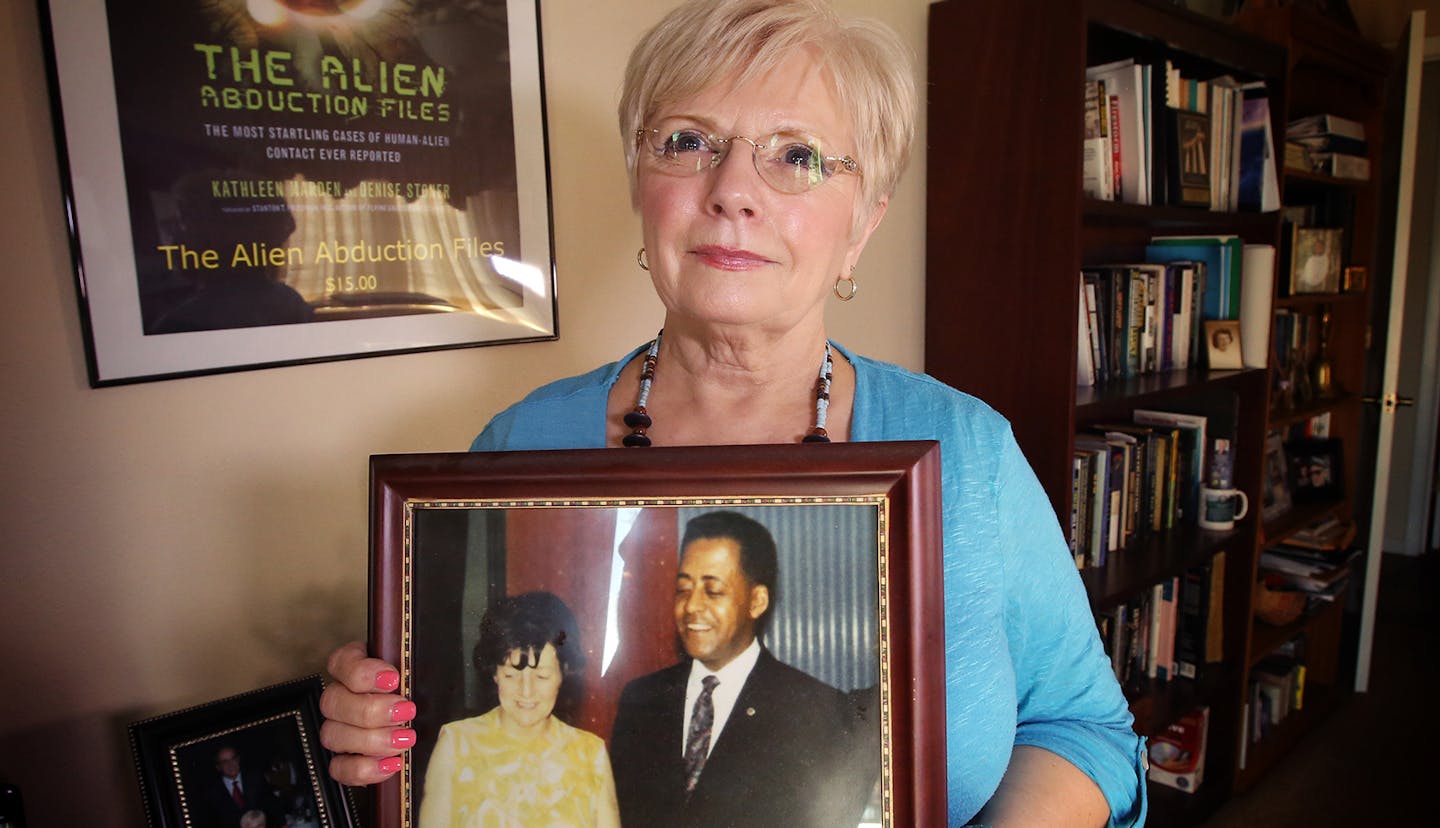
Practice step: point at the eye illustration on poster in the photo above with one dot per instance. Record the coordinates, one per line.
(259, 182)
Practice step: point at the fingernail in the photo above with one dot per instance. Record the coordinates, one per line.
(387, 680)
(402, 738)
(390, 764)
(402, 711)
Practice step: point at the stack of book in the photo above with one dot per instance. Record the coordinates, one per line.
(1154, 136)
(1132, 480)
(1328, 144)
(1277, 690)
(1138, 319)
(1169, 631)
(1315, 560)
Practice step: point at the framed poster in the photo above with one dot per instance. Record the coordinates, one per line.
(637, 568)
(252, 759)
(251, 183)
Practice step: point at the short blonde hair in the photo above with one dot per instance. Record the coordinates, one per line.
(705, 42)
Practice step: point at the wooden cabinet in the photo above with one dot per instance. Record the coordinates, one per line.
(1008, 232)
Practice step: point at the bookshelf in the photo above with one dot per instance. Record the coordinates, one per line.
(1329, 70)
(1009, 229)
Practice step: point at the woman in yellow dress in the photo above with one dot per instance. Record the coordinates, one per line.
(518, 765)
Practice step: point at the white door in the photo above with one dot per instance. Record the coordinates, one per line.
(1409, 518)
(1410, 55)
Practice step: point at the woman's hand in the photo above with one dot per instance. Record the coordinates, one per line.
(363, 715)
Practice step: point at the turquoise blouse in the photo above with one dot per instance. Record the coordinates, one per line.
(1023, 660)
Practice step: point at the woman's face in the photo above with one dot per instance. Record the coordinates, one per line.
(527, 696)
(725, 247)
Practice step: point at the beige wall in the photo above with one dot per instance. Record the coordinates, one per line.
(173, 542)
(1383, 21)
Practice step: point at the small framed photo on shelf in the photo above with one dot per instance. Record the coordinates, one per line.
(1354, 278)
(1222, 344)
(1276, 491)
(1314, 260)
(251, 759)
(1315, 470)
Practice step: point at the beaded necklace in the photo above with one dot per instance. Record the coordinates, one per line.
(638, 419)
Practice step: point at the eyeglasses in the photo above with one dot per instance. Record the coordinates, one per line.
(789, 162)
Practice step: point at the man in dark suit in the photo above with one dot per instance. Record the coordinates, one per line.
(234, 792)
(731, 736)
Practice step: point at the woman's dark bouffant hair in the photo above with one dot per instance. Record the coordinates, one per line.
(527, 622)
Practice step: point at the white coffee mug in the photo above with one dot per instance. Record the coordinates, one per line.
(1218, 509)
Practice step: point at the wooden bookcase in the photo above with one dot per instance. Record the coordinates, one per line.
(1329, 70)
(1008, 232)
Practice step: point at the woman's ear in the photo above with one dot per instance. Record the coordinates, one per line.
(865, 225)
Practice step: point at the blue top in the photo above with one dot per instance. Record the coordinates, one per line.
(1023, 660)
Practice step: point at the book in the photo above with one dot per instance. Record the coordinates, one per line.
(1097, 168)
(1330, 142)
(1084, 357)
(1222, 255)
(1199, 621)
(1259, 184)
(1187, 158)
(1341, 165)
(1325, 124)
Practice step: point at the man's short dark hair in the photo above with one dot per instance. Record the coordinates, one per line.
(757, 545)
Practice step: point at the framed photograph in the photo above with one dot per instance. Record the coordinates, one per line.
(1315, 470)
(1222, 344)
(1314, 260)
(251, 760)
(1275, 494)
(639, 568)
(1353, 279)
(251, 184)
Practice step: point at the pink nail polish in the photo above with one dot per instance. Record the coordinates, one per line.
(390, 764)
(402, 738)
(402, 711)
(387, 680)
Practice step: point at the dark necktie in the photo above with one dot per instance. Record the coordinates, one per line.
(238, 794)
(697, 743)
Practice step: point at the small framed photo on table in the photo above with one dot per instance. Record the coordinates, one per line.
(807, 582)
(249, 760)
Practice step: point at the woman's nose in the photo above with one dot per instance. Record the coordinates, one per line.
(735, 182)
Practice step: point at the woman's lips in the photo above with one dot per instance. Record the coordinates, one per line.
(729, 258)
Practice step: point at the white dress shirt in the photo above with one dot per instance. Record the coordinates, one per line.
(732, 677)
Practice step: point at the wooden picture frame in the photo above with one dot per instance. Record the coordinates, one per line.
(857, 529)
(249, 185)
(1314, 260)
(1275, 491)
(1316, 469)
(1222, 345)
(270, 736)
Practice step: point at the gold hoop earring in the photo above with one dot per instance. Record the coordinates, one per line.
(640, 260)
(849, 294)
